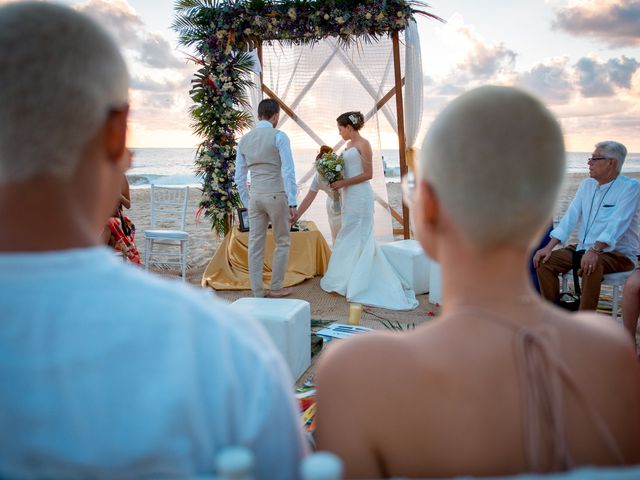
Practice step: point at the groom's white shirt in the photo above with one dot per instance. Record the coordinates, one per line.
(286, 158)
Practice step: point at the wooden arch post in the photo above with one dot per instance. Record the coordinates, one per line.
(402, 142)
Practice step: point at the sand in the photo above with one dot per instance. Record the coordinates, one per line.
(202, 241)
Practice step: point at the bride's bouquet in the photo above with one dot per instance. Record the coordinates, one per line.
(330, 167)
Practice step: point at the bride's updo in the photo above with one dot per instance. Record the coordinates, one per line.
(355, 119)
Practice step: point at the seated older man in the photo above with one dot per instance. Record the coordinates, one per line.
(107, 372)
(606, 208)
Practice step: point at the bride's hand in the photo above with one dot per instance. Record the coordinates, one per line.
(337, 185)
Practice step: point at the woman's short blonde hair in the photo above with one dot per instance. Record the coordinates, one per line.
(495, 158)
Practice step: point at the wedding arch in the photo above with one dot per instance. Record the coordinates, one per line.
(234, 39)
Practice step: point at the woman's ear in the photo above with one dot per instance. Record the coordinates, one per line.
(428, 204)
(427, 216)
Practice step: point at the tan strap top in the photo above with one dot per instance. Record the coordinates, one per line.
(542, 374)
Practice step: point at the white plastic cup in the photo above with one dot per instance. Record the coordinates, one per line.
(322, 466)
(234, 463)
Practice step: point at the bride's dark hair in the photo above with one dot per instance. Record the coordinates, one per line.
(355, 119)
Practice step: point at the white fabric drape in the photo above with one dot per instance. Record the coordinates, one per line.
(255, 93)
(413, 85)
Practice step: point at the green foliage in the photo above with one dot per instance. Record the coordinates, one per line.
(397, 326)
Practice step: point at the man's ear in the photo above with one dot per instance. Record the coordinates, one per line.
(115, 134)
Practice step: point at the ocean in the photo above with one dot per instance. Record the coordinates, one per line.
(174, 166)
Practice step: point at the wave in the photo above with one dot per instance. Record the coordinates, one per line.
(137, 180)
(391, 173)
(146, 180)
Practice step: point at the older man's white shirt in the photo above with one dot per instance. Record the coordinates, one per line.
(606, 213)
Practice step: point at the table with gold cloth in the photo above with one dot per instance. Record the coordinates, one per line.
(228, 269)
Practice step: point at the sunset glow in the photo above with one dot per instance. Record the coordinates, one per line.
(581, 58)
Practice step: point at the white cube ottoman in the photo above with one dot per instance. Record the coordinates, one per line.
(410, 262)
(435, 281)
(288, 323)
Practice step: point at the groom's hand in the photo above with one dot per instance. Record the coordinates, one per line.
(293, 215)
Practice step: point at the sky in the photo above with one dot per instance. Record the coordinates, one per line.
(582, 58)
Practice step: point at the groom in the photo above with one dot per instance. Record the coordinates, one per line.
(266, 153)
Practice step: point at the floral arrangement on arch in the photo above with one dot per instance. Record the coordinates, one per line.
(224, 32)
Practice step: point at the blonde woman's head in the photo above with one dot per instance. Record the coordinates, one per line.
(495, 159)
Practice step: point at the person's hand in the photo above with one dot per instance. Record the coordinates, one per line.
(542, 256)
(589, 262)
(338, 184)
(293, 215)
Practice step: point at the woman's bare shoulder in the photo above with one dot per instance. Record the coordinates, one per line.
(592, 339)
(594, 327)
(365, 142)
(376, 356)
(359, 351)
(364, 146)
(357, 357)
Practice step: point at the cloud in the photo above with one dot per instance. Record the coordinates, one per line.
(449, 90)
(599, 79)
(156, 52)
(151, 84)
(486, 59)
(593, 78)
(148, 49)
(117, 17)
(159, 101)
(557, 82)
(160, 81)
(617, 22)
(621, 70)
(551, 81)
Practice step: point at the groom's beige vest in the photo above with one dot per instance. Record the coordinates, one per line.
(263, 159)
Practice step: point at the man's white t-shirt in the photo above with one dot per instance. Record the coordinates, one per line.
(106, 371)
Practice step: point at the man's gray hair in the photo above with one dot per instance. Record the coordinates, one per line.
(495, 158)
(615, 150)
(60, 75)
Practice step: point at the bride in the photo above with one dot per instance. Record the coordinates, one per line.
(358, 268)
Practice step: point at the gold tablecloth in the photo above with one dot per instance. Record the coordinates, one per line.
(228, 269)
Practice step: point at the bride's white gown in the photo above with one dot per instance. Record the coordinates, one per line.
(358, 268)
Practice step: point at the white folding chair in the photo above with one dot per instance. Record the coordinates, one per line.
(168, 208)
(614, 280)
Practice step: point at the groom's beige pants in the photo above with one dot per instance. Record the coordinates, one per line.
(265, 208)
